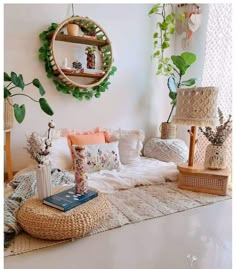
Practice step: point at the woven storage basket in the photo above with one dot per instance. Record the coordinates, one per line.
(8, 115)
(46, 222)
(214, 182)
(168, 130)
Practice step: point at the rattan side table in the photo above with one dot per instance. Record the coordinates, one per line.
(45, 222)
(204, 180)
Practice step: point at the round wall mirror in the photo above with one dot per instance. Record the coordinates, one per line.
(81, 53)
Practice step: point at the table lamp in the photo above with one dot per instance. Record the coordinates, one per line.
(195, 107)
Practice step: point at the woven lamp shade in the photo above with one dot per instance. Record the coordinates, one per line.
(196, 106)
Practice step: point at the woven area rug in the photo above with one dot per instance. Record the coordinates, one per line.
(130, 206)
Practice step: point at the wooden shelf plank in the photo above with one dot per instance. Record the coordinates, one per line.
(79, 40)
(82, 74)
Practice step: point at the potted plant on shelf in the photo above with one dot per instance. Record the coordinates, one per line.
(175, 66)
(215, 152)
(11, 83)
(90, 57)
(72, 28)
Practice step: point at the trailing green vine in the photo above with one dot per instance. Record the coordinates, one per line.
(78, 93)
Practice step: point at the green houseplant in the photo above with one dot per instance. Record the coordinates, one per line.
(13, 82)
(176, 66)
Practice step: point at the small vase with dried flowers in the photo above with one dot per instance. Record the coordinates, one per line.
(39, 147)
(215, 156)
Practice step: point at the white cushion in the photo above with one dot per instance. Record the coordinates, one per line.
(60, 155)
(166, 150)
(130, 144)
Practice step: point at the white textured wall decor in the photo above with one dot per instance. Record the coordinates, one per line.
(127, 103)
(217, 69)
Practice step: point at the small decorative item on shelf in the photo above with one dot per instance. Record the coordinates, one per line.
(77, 65)
(80, 167)
(215, 157)
(90, 57)
(39, 147)
(72, 28)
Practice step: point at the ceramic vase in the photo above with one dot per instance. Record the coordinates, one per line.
(43, 177)
(168, 130)
(215, 157)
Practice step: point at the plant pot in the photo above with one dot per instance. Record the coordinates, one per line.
(43, 177)
(72, 29)
(168, 130)
(215, 157)
(8, 115)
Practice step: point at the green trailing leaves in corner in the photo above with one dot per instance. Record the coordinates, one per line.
(76, 92)
(175, 66)
(165, 28)
(14, 81)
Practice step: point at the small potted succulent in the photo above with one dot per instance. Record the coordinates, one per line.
(215, 152)
(90, 57)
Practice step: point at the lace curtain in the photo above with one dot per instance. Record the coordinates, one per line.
(217, 69)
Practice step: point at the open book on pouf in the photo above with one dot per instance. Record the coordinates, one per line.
(68, 199)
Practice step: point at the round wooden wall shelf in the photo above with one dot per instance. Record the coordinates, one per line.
(99, 40)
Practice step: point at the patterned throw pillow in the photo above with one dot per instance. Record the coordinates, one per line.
(100, 156)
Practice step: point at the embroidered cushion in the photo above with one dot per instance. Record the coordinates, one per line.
(100, 156)
(130, 144)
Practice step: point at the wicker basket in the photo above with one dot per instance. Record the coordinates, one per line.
(45, 222)
(168, 130)
(8, 115)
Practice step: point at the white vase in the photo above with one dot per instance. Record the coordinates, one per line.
(43, 177)
(215, 157)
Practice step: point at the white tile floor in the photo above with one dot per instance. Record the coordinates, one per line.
(169, 242)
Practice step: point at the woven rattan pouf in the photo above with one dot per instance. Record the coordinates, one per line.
(45, 222)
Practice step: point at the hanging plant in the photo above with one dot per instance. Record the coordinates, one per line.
(77, 92)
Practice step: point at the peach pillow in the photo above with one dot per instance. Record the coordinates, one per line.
(87, 139)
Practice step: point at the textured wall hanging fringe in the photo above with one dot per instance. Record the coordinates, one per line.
(86, 76)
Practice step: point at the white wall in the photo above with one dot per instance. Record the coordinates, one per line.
(127, 104)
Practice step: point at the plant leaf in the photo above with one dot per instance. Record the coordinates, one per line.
(37, 84)
(21, 83)
(45, 106)
(180, 63)
(19, 112)
(6, 77)
(171, 84)
(172, 95)
(154, 9)
(188, 57)
(189, 82)
(6, 93)
(14, 78)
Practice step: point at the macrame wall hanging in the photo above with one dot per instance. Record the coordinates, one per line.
(188, 21)
(78, 57)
